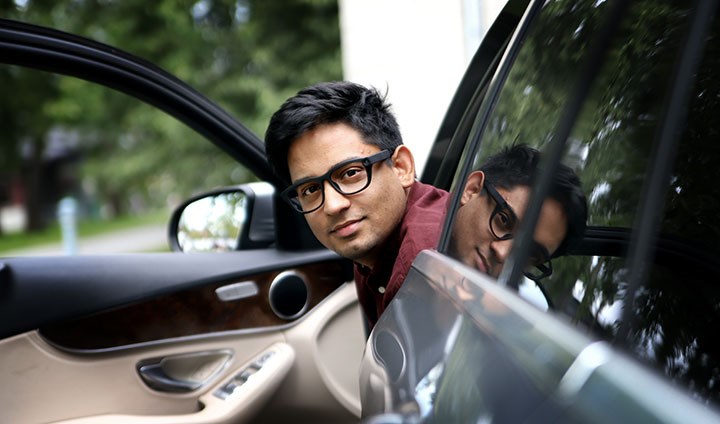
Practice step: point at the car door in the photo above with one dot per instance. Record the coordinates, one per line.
(271, 332)
(624, 328)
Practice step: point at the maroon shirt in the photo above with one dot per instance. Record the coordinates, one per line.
(419, 229)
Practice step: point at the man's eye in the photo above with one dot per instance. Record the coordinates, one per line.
(352, 173)
(309, 190)
(504, 221)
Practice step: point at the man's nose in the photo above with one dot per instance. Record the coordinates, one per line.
(501, 249)
(334, 201)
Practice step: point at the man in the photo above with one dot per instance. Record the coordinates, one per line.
(493, 203)
(339, 147)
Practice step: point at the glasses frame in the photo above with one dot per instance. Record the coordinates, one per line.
(545, 267)
(290, 194)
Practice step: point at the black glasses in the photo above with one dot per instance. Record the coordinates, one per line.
(502, 226)
(348, 177)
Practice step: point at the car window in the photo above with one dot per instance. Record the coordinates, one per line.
(108, 160)
(611, 146)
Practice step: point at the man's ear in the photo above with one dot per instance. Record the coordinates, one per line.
(473, 186)
(403, 164)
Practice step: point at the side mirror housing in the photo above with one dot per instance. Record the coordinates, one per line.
(230, 218)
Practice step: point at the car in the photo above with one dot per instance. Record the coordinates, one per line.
(250, 319)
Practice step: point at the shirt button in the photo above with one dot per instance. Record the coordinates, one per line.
(381, 289)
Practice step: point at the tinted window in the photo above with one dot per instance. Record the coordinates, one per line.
(611, 146)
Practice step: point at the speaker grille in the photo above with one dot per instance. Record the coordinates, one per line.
(289, 296)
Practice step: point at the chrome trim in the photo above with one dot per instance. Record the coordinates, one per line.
(237, 291)
(275, 281)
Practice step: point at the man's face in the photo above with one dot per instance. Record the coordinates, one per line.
(474, 244)
(355, 226)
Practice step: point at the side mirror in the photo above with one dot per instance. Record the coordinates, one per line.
(226, 219)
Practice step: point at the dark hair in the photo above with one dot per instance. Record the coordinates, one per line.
(363, 109)
(516, 166)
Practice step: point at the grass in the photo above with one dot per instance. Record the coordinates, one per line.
(86, 228)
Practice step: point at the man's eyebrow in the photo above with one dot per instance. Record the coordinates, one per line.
(315, 177)
(305, 180)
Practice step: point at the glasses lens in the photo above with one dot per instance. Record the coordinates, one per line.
(538, 272)
(307, 196)
(351, 178)
(539, 265)
(502, 224)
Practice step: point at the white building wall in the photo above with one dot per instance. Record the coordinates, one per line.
(417, 51)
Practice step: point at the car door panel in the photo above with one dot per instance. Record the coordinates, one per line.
(313, 374)
(39, 291)
(198, 310)
(100, 317)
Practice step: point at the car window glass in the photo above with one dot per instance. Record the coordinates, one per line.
(611, 142)
(80, 157)
(610, 148)
(675, 315)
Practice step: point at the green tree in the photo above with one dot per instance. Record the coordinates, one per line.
(246, 55)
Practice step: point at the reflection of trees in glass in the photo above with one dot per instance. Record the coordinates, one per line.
(212, 223)
(610, 147)
(611, 141)
(693, 200)
(677, 328)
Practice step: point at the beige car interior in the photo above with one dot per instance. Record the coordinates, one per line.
(306, 371)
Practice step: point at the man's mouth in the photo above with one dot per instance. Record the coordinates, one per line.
(346, 228)
(481, 262)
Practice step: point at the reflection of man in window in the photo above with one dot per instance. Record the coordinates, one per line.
(493, 203)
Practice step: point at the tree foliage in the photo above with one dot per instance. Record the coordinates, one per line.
(247, 55)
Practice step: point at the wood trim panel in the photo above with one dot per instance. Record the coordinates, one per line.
(192, 312)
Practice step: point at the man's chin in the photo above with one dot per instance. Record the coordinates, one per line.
(357, 253)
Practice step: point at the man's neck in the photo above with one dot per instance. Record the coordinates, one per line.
(366, 262)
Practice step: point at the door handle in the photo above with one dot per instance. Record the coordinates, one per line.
(155, 377)
(183, 373)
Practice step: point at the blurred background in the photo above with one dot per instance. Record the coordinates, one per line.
(118, 167)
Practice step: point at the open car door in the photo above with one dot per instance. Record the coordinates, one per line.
(269, 330)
